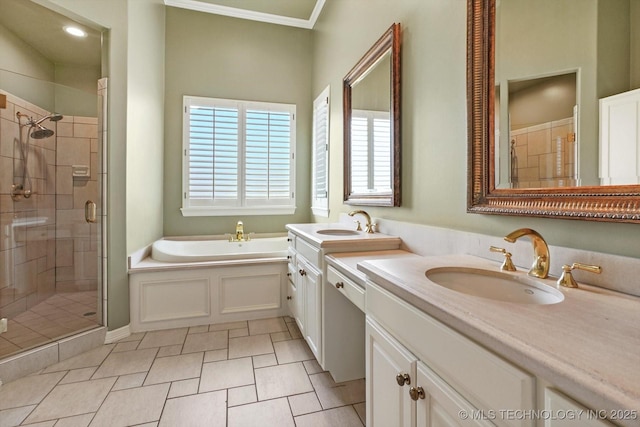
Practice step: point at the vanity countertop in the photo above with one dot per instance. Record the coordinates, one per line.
(588, 345)
(358, 241)
(347, 262)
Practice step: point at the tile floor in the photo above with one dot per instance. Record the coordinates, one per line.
(56, 317)
(255, 373)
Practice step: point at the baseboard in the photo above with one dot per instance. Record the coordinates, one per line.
(117, 334)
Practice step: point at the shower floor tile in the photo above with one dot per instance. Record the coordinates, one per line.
(144, 387)
(56, 317)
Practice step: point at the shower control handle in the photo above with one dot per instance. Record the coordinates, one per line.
(90, 211)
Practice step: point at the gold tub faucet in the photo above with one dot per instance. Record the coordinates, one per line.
(239, 231)
(541, 257)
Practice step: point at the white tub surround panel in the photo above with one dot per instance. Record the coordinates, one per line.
(587, 346)
(172, 295)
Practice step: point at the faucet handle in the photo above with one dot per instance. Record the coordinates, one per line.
(507, 265)
(358, 225)
(567, 279)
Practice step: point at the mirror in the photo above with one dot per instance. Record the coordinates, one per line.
(371, 107)
(587, 166)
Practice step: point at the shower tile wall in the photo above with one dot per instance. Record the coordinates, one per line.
(27, 247)
(46, 247)
(76, 243)
(545, 155)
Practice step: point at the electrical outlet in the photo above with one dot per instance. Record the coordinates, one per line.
(3, 325)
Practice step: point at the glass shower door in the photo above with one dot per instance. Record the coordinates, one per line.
(50, 157)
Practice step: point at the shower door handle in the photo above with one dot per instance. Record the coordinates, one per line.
(90, 211)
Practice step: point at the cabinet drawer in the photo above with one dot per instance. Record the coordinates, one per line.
(483, 378)
(558, 403)
(311, 253)
(352, 291)
(291, 273)
(291, 238)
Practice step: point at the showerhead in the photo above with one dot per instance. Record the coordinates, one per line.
(54, 117)
(41, 132)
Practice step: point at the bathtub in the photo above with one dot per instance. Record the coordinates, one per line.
(190, 282)
(173, 250)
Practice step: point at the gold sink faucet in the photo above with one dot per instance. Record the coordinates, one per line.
(369, 225)
(541, 258)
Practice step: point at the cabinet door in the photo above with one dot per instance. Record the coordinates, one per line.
(387, 364)
(439, 405)
(294, 296)
(311, 280)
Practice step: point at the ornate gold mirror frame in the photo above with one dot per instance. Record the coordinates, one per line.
(388, 44)
(619, 203)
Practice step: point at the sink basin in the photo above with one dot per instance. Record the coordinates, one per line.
(495, 285)
(337, 232)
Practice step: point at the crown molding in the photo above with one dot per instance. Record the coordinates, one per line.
(250, 14)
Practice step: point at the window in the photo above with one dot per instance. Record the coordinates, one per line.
(238, 157)
(370, 145)
(320, 185)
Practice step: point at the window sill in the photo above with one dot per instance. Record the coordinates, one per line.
(233, 211)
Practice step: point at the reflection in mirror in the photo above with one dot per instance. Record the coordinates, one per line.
(533, 40)
(371, 120)
(540, 140)
(515, 46)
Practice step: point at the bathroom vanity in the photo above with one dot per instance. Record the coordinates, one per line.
(315, 309)
(441, 357)
(437, 356)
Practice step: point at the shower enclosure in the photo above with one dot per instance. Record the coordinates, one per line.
(50, 223)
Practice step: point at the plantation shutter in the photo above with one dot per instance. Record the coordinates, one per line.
(213, 153)
(320, 185)
(370, 152)
(239, 156)
(268, 155)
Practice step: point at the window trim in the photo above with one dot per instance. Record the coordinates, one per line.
(240, 206)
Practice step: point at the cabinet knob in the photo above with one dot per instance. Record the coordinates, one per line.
(403, 379)
(339, 285)
(302, 272)
(416, 393)
(289, 297)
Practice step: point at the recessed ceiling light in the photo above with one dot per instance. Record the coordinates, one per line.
(75, 31)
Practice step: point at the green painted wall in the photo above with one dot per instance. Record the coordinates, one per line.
(135, 141)
(220, 57)
(434, 116)
(145, 117)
